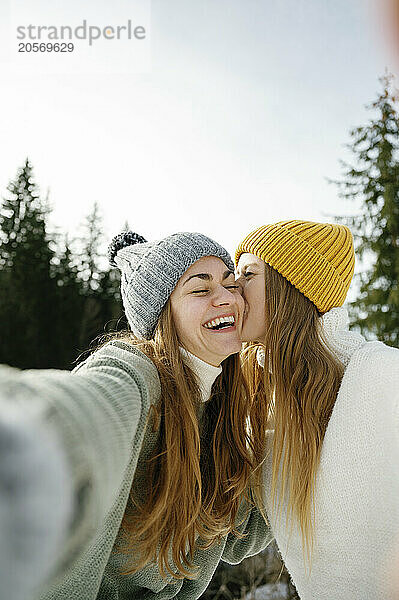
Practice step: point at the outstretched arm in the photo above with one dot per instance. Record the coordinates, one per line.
(83, 431)
(36, 501)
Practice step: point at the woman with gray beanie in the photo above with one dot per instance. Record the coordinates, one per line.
(132, 476)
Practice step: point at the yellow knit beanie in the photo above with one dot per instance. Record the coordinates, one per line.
(317, 258)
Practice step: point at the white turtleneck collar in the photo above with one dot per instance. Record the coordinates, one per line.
(335, 334)
(334, 330)
(206, 373)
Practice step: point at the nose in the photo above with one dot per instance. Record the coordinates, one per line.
(240, 280)
(223, 296)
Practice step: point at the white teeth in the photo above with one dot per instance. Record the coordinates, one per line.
(227, 319)
(219, 320)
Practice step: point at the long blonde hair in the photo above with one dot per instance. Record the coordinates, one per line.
(299, 386)
(200, 470)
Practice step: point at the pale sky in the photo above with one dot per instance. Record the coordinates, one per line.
(241, 112)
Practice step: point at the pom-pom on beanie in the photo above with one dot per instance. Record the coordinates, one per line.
(317, 258)
(151, 270)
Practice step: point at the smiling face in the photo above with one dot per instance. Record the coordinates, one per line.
(207, 309)
(251, 276)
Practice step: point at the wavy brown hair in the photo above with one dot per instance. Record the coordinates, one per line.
(299, 386)
(201, 469)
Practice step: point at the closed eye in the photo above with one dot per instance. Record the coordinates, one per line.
(232, 287)
(199, 291)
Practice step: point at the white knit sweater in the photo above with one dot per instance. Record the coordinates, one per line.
(357, 488)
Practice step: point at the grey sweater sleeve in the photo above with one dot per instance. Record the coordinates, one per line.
(257, 536)
(96, 417)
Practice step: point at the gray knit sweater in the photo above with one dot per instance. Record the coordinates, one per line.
(98, 413)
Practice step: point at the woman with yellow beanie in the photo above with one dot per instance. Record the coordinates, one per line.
(331, 481)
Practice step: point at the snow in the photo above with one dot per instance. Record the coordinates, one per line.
(269, 591)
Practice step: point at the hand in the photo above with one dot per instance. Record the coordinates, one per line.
(35, 502)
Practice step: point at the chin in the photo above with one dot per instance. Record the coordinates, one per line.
(252, 336)
(229, 350)
(246, 335)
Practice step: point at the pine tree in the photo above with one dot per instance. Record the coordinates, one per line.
(22, 200)
(28, 299)
(92, 241)
(373, 178)
(100, 285)
(70, 302)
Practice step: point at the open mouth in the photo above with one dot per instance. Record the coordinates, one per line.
(227, 322)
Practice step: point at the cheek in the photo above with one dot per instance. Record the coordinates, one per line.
(180, 320)
(255, 295)
(249, 292)
(187, 319)
(261, 293)
(240, 302)
(180, 330)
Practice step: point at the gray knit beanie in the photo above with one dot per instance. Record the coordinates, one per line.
(151, 270)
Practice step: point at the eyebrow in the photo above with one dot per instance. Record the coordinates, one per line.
(249, 265)
(208, 276)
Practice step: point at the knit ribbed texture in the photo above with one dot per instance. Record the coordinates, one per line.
(98, 414)
(151, 270)
(317, 258)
